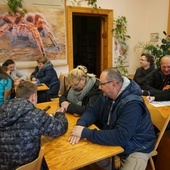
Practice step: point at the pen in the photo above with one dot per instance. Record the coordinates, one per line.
(149, 94)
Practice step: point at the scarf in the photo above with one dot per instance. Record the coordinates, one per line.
(76, 97)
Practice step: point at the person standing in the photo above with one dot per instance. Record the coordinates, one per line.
(45, 73)
(21, 127)
(147, 67)
(123, 119)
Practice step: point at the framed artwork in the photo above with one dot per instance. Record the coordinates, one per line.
(119, 51)
(41, 32)
(154, 37)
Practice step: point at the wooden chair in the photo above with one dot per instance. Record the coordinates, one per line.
(7, 92)
(160, 122)
(63, 83)
(34, 165)
(63, 86)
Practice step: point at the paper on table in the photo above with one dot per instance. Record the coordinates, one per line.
(160, 103)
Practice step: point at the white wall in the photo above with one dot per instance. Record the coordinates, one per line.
(143, 16)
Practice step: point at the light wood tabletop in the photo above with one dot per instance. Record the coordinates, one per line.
(60, 154)
(165, 110)
(42, 87)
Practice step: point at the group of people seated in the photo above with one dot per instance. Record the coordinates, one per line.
(44, 73)
(113, 103)
(154, 82)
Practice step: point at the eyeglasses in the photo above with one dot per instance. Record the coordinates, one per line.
(76, 85)
(101, 84)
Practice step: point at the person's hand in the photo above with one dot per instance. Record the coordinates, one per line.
(73, 139)
(61, 109)
(17, 81)
(77, 130)
(150, 99)
(65, 105)
(34, 79)
(167, 87)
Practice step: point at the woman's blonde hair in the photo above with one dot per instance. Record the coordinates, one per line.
(76, 74)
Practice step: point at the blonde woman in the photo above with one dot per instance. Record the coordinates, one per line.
(83, 91)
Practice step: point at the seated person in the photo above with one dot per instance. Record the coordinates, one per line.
(159, 81)
(82, 93)
(5, 84)
(123, 120)
(16, 75)
(21, 127)
(45, 73)
(147, 67)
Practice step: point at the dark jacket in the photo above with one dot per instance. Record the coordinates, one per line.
(129, 125)
(155, 84)
(87, 101)
(21, 127)
(48, 76)
(141, 75)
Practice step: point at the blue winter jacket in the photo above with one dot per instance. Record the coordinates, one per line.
(129, 125)
(48, 76)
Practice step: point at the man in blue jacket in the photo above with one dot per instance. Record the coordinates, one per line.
(123, 119)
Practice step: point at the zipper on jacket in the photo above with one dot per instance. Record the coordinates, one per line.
(110, 111)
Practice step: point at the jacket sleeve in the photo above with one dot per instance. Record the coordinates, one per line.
(73, 108)
(52, 126)
(47, 75)
(163, 96)
(124, 128)
(33, 74)
(20, 75)
(153, 84)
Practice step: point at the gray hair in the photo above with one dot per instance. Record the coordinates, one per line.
(113, 74)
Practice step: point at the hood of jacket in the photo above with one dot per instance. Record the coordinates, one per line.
(129, 87)
(47, 64)
(13, 110)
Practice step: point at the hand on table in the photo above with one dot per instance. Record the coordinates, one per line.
(167, 87)
(65, 105)
(150, 99)
(75, 134)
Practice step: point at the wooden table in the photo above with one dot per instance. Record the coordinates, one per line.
(165, 110)
(61, 155)
(42, 87)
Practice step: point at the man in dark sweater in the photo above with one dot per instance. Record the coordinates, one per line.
(158, 84)
(123, 119)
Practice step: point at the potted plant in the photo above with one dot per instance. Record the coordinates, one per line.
(158, 50)
(121, 47)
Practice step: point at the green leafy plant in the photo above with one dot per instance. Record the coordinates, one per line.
(157, 50)
(120, 34)
(15, 7)
(93, 3)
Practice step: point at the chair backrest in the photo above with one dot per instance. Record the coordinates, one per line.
(160, 122)
(63, 83)
(34, 165)
(7, 92)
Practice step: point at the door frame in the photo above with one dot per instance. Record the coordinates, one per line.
(106, 33)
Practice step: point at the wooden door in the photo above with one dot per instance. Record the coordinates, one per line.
(106, 33)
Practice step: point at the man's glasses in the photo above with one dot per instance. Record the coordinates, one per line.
(101, 84)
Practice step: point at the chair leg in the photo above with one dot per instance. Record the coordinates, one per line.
(152, 163)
